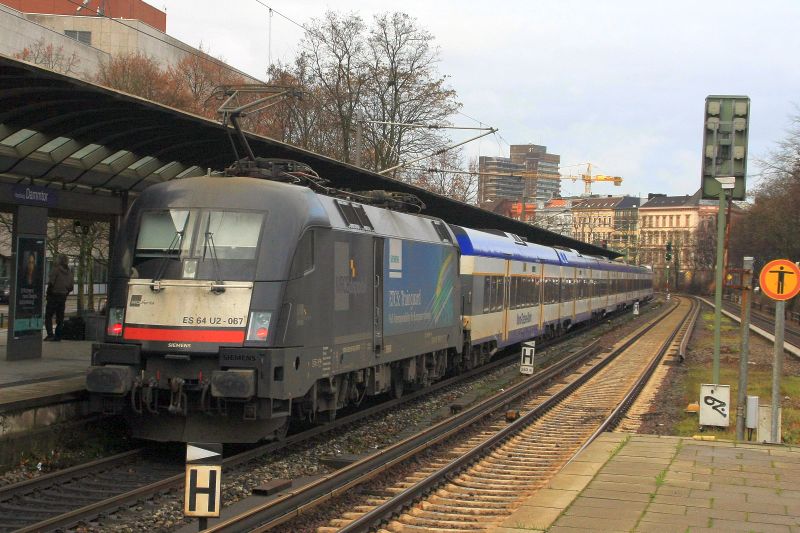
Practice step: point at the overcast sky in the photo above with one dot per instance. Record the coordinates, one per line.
(620, 84)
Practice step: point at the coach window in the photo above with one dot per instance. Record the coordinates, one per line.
(516, 293)
(487, 294)
(497, 293)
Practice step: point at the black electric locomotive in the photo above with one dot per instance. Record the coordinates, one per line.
(237, 303)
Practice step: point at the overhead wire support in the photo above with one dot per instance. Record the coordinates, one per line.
(438, 152)
(428, 126)
(231, 109)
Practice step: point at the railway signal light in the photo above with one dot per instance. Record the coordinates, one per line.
(725, 132)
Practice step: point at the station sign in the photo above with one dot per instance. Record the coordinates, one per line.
(203, 486)
(725, 130)
(526, 360)
(780, 279)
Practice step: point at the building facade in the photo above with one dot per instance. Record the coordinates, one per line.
(593, 219)
(499, 179)
(556, 215)
(127, 27)
(542, 179)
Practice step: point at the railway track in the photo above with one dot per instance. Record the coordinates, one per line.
(767, 323)
(477, 466)
(64, 499)
(633, 418)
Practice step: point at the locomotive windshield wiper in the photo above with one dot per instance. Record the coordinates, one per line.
(175, 244)
(177, 239)
(218, 286)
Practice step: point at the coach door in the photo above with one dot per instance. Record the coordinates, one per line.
(377, 295)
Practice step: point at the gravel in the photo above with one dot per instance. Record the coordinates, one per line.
(165, 512)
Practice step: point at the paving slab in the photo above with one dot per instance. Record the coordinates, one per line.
(652, 483)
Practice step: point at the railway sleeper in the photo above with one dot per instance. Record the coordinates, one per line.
(461, 502)
(463, 509)
(449, 493)
(435, 522)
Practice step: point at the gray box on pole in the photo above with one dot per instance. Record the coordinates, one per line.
(764, 433)
(751, 418)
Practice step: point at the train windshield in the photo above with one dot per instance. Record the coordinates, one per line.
(228, 234)
(164, 233)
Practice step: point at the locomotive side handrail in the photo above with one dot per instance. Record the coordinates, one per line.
(208, 284)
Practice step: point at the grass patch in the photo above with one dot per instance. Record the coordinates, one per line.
(759, 384)
(661, 477)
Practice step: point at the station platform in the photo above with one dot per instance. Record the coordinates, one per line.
(625, 482)
(60, 375)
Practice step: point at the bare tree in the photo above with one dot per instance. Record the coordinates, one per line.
(444, 176)
(194, 79)
(44, 54)
(137, 74)
(774, 209)
(404, 87)
(334, 54)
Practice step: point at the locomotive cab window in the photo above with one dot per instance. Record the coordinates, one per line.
(228, 234)
(164, 233)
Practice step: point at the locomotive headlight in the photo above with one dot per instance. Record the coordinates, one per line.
(116, 317)
(258, 329)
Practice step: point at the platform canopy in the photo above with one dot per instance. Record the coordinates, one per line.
(62, 132)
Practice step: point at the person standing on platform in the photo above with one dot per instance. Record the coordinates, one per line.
(59, 285)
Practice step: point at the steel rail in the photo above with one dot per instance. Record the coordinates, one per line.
(316, 492)
(788, 345)
(71, 518)
(173, 482)
(295, 503)
(27, 486)
(692, 322)
(402, 500)
(612, 419)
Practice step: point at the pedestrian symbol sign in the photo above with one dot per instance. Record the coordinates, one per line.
(780, 279)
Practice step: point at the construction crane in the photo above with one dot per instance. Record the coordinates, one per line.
(588, 178)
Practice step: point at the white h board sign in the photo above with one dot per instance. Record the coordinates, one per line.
(526, 360)
(203, 487)
(203, 484)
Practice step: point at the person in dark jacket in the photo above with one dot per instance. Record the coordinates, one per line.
(59, 285)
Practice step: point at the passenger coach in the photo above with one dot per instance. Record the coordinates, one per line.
(513, 290)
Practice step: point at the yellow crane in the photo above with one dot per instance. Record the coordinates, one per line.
(589, 178)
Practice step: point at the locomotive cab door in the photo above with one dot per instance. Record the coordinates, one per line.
(377, 295)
